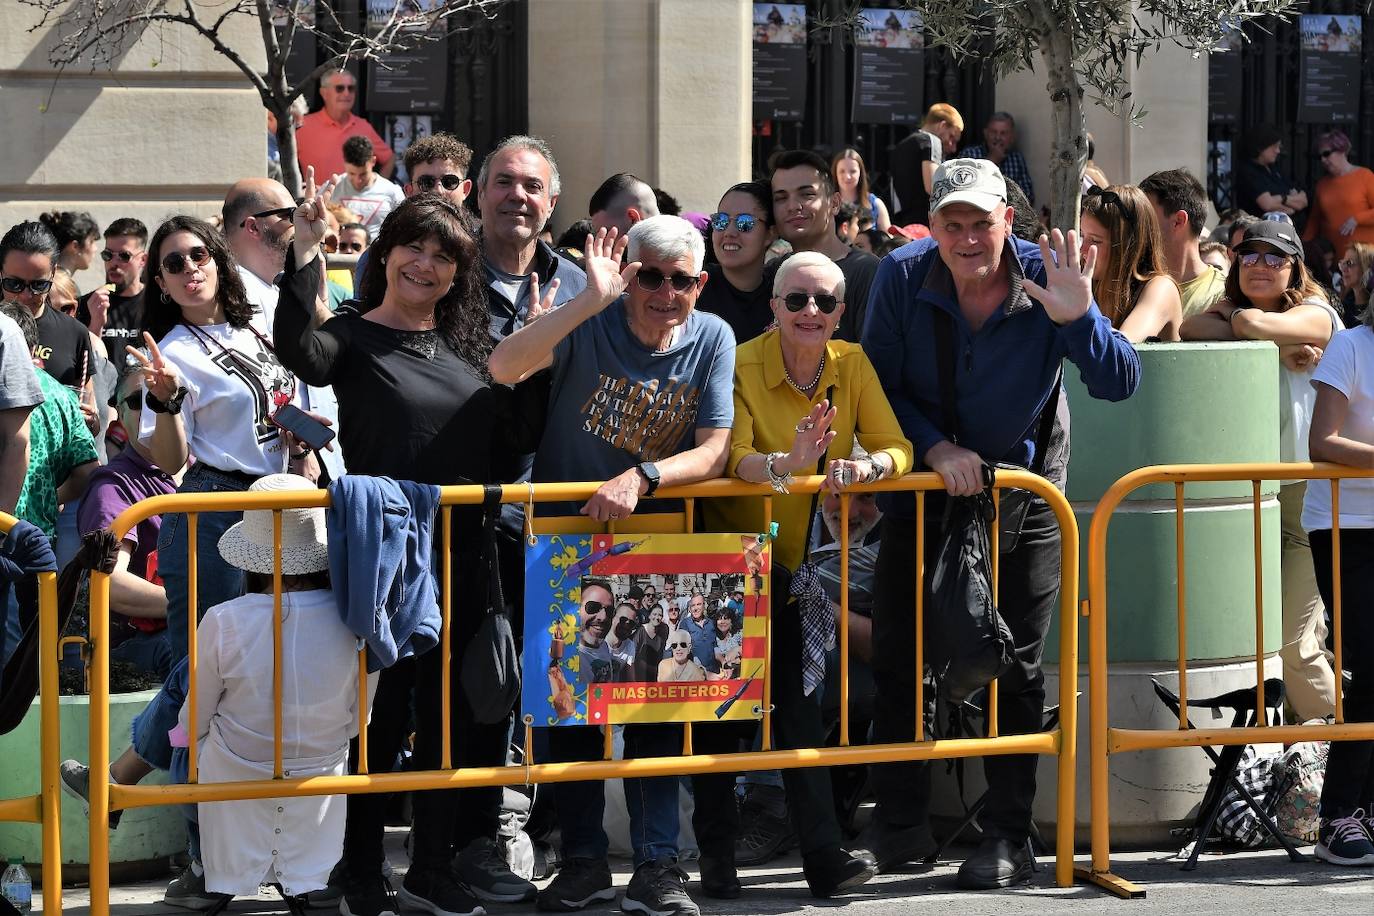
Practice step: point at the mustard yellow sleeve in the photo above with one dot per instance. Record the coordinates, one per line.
(877, 428)
(742, 435)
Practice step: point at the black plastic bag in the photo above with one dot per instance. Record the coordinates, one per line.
(972, 643)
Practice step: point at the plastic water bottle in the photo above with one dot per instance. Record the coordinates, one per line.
(17, 887)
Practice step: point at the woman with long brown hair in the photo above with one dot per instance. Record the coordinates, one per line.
(1131, 281)
(851, 177)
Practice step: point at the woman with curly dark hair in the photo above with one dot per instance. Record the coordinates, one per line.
(409, 368)
(212, 383)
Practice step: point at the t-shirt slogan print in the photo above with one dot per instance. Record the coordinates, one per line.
(641, 418)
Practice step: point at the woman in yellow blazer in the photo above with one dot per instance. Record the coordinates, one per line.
(799, 397)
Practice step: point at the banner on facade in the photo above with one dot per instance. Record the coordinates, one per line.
(1330, 81)
(779, 61)
(645, 628)
(410, 81)
(889, 67)
(1224, 78)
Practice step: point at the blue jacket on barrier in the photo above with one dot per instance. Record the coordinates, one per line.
(381, 536)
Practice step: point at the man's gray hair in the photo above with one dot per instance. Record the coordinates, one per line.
(534, 145)
(332, 72)
(1002, 116)
(668, 238)
(795, 262)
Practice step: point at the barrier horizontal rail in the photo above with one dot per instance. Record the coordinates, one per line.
(105, 798)
(1104, 740)
(45, 808)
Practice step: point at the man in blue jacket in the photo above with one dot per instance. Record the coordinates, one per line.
(1010, 314)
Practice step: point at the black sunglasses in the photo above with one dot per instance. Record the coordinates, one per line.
(795, 302)
(744, 222)
(593, 608)
(134, 401)
(1324, 153)
(283, 212)
(1111, 197)
(451, 182)
(651, 280)
(1271, 260)
(107, 255)
(16, 285)
(176, 262)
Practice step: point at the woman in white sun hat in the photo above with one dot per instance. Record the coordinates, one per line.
(291, 842)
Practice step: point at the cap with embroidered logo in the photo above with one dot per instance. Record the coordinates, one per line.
(976, 182)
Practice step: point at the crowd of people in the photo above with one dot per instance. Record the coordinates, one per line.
(385, 340)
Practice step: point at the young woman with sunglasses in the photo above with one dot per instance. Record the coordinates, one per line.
(408, 366)
(1271, 296)
(1343, 205)
(741, 231)
(1131, 280)
(212, 383)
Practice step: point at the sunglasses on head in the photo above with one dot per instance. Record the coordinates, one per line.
(650, 279)
(176, 262)
(451, 182)
(1112, 198)
(16, 285)
(283, 212)
(1271, 260)
(744, 222)
(107, 255)
(795, 302)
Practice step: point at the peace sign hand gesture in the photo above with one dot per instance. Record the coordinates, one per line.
(1068, 290)
(540, 306)
(160, 377)
(309, 218)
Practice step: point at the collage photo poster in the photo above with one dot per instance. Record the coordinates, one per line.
(624, 628)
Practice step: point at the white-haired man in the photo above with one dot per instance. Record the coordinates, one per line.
(321, 136)
(641, 397)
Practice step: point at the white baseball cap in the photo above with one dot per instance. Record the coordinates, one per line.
(976, 182)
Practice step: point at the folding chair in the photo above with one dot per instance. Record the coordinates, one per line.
(1227, 761)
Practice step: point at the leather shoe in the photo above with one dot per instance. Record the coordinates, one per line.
(891, 847)
(833, 871)
(997, 863)
(719, 878)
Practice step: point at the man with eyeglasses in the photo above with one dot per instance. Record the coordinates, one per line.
(114, 312)
(1000, 315)
(642, 397)
(321, 136)
(362, 190)
(805, 201)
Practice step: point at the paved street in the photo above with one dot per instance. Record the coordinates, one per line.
(1244, 884)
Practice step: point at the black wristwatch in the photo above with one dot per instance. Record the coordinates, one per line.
(170, 406)
(650, 472)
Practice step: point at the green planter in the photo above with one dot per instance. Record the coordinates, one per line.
(146, 836)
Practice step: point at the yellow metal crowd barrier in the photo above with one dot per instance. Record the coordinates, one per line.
(1105, 740)
(106, 798)
(45, 808)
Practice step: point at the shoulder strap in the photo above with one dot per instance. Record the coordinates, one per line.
(1046, 427)
(944, 361)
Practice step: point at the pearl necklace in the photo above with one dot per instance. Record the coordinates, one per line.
(814, 382)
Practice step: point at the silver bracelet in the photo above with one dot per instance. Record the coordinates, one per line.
(777, 481)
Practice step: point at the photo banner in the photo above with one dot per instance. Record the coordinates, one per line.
(1224, 78)
(413, 80)
(779, 61)
(645, 628)
(889, 67)
(1330, 83)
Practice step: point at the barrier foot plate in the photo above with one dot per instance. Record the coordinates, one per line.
(1113, 884)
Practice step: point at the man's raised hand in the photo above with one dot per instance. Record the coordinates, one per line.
(1068, 290)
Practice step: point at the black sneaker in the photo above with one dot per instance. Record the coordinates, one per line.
(437, 891)
(659, 888)
(830, 872)
(765, 831)
(484, 870)
(997, 863)
(188, 892)
(369, 895)
(579, 883)
(1345, 841)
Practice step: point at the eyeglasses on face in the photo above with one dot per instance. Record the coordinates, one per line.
(348, 247)
(795, 302)
(1271, 260)
(1113, 199)
(133, 401)
(592, 608)
(450, 181)
(107, 255)
(650, 279)
(1347, 262)
(176, 262)
(283, 212)
(345, 88)
(679, 645)
(16, 285)
(744, 222)
(1322, 154)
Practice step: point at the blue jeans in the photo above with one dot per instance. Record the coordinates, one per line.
(148, 736)
(652, 803)
(150, 652)
(217, 581)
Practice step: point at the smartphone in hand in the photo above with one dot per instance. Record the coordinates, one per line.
(314, 434)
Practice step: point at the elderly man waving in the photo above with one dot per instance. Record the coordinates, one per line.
(1005, 315)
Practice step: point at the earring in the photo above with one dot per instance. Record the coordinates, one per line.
(166, 299)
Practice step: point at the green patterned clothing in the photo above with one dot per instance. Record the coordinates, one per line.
(59, 442)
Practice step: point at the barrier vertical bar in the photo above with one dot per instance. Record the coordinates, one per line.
(1180, 575)
(50, 743)
(446, 643)
(766, 733)
(1099, 818)
(277, 713)
(844, 615)
(99, 745)
(192, 657)
(1066, 813)
(1336, 628)
(1260, 715)
(362, 712)
(920, 730)
(990, 723)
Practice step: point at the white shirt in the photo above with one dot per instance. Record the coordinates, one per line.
(293, 841)
(1297, 398)
(264, 296)
(1347, 366)
(229, 398)
(372, 204)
